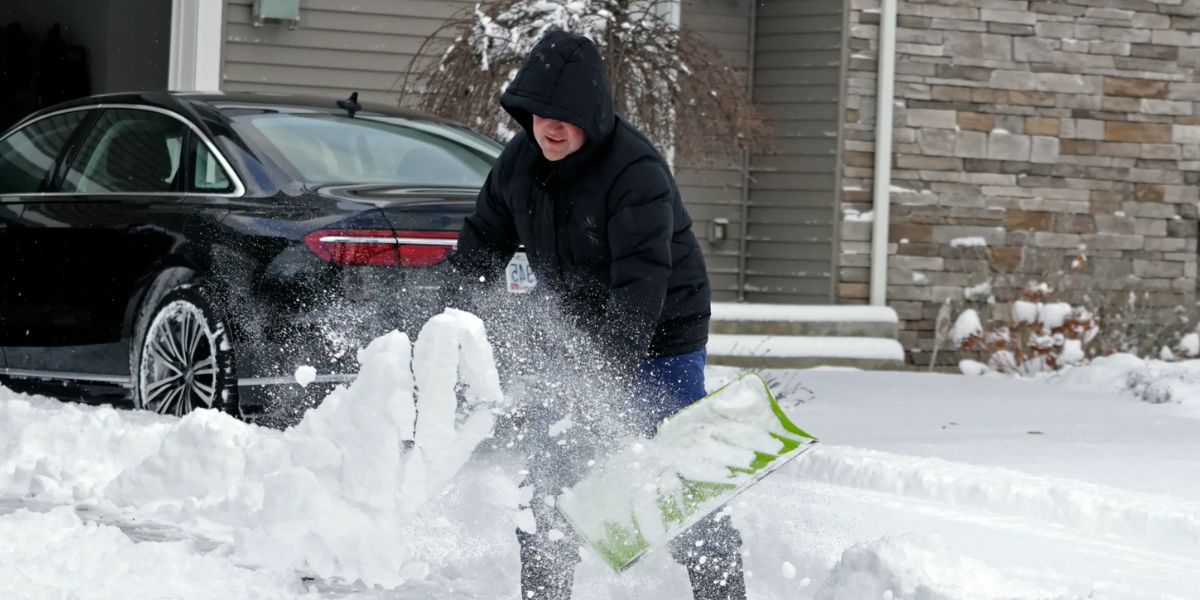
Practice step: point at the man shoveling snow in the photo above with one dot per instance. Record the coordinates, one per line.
(607, 235)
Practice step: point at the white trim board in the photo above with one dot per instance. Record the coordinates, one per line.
(195, 45)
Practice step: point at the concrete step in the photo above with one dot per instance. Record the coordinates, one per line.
(796, 320)
(802, 352)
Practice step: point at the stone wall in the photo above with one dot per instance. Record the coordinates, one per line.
(1026, 135)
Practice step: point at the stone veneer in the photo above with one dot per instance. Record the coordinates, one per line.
(1046, 129)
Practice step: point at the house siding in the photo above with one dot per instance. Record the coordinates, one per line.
(787, 252)
(715, 191)
(793, 193)
(340, 46)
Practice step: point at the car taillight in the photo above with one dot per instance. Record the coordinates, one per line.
(381, 247)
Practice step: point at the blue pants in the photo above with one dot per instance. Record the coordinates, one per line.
(667, 385)
(710, 550)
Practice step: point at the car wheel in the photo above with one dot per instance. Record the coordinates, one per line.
(183, 359)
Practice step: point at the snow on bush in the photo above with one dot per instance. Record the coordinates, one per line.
(1148, 380)
(1189, 346)
(1038, 337)
(672, 84)
(1136, 324)
(967, 326)
(1160, 382)
(973, 367)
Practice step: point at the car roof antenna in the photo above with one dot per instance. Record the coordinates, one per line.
(350, 105)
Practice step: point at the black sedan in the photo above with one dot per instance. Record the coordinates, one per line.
(192, 250)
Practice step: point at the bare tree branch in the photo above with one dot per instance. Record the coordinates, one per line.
(671, 84)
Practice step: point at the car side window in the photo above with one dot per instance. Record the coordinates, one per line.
(128, 150)
(27, 155)
(207, 174)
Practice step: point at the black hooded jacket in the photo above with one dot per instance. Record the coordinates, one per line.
(604, 228)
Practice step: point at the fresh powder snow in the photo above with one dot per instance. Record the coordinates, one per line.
(1084, 484)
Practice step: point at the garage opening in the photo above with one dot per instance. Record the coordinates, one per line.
(57, 50)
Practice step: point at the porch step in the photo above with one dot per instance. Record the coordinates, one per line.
(784, 319)
(769, 336)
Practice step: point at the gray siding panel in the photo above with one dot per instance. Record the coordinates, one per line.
(340, 46)
(797, 79)
(789, 60)
(790, 214)
(712, 192)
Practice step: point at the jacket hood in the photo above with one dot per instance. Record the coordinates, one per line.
(563, 78)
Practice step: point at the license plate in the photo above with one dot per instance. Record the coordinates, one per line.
(519, 275)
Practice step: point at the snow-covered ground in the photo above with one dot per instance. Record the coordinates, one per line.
(931, 487)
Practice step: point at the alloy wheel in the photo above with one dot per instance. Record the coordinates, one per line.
(179, 368)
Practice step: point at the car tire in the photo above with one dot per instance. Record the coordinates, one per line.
(182, 356)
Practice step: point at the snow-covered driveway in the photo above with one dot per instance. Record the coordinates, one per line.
(924, 486)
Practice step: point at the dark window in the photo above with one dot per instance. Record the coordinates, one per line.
(28, 154)
(323, 148)
(128, 150)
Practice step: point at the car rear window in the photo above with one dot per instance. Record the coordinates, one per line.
(325, 148)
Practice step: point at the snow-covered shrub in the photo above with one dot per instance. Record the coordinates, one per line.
(669, 82)
(1134, 324)
(1039, 335)
(1159, 383)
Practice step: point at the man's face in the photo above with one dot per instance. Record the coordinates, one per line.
(558, 139)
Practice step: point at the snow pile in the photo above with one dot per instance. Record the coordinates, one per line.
(1059, 487)
(55, 555)
(1149, 380)
(916, 567)
(36, 459)
(1157, 519)
(338, 495)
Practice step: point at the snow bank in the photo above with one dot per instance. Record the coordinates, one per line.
(37, 459)
(55, 555)
(916, 567)
(338, 495)
(1094, 508)
(1102, 505)
(1153, 381)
